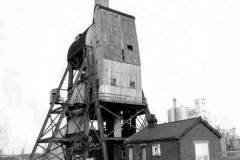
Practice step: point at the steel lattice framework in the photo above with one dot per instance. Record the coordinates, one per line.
(96, 138)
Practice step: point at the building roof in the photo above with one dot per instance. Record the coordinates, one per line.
(169, 131)
(114, 11)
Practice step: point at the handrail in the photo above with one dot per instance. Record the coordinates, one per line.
(121, 98)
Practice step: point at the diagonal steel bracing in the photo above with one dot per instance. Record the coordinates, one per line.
(52, 140)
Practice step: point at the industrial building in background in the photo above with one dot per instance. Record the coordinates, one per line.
(230, 141)
(177, 113)
(99, 101)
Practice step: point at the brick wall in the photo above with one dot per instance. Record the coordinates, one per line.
(199, 133)
(169, 151)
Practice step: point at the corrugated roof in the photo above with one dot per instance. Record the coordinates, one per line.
(168, 131)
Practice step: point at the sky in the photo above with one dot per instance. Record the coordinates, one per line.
(188, 48)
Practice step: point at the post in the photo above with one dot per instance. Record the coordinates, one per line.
(174, 109)
(101, 131)
(70, 77)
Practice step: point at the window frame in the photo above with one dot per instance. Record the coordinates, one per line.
(131, 84)
(144, 147)
(130, 47)
(113, 82)
(130, 148)
(201, 142)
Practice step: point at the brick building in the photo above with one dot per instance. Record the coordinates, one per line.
(192, 139)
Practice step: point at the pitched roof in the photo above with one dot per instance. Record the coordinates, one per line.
(169, 131)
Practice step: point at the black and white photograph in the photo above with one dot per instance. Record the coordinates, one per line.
(119, 80)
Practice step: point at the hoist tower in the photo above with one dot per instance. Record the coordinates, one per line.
(99, 101)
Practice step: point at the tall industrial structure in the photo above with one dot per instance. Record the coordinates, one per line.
(104, 101)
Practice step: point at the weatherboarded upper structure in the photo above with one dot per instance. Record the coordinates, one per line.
(192, 139)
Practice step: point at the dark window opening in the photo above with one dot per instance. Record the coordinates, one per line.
(83, 75)
(113, 82)
(111, 38)
(91, 93)
(84, 70)
(123, 56)
(130, 47)
(97, 83)
(123, 153)
(97, 43)
(132, 84)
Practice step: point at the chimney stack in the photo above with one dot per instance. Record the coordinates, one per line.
(174, 109)
(104, 3)
(152, 121)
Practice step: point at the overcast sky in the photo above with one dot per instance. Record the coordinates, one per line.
(189, 49)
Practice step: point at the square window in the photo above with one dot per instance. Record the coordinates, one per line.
(201, 150)
(130, 47)
(132, 84)
(113, 82)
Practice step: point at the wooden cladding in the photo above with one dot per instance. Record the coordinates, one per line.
(119, 38)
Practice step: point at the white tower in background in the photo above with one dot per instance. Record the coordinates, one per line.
(200, 104)
(200, 109)
(180, 112)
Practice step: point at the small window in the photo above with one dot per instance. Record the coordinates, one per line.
(97, 43)
(111, 36)
(130, 47)
(113, 82)
(123, 55)
(144, 153)
(201, 150)
(130, 151)
(97, 83)
(132, 84)
(123, 154)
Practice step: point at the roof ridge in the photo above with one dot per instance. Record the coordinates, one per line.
(167, 131)
(179, 121)
(199, 119)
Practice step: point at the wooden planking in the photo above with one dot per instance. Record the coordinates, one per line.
(117, 33)
(113, 33)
